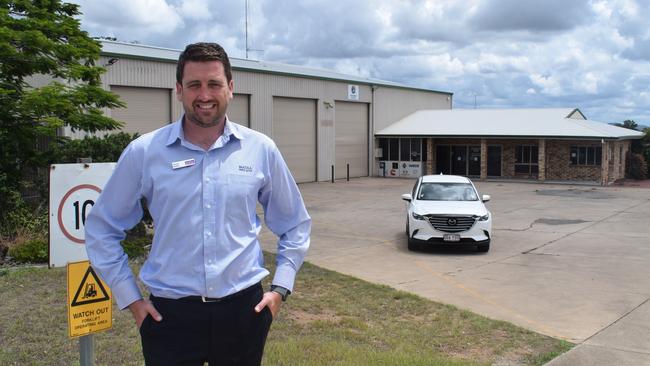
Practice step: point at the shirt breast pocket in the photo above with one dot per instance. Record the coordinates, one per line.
(247, 181)
(243, 188)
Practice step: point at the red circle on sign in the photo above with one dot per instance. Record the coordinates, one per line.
(60, 210)
(392, 172)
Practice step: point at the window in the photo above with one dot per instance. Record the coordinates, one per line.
(447, 192)
(526, 160)
(586, 155)
(416, 149)
(403, 149)
(383, 144)
(393, 150)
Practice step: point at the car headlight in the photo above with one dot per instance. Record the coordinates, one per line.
(484, 217)
(418, 217)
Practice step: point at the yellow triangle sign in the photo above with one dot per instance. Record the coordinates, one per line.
(90, 290)
(89, 301)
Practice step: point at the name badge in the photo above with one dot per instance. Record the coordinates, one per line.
(183, 163)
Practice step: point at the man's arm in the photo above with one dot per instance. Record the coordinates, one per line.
(285, 214)
(116, 210)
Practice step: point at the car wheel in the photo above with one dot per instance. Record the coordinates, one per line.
(412, 245)
(483, 248)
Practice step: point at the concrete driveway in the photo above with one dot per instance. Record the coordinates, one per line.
(572, 262)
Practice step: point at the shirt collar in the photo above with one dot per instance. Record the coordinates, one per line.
(233, 129)
(176, 132)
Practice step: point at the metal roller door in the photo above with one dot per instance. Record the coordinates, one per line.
(294, 131)
(238, 109)
(351, 139)
(146, 108)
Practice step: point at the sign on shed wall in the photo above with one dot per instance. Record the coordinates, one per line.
(74, 188)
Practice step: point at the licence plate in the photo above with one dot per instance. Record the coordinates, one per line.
(451, 237)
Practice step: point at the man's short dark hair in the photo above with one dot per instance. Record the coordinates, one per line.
(203, 52)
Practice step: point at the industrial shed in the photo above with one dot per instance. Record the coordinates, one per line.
(549, 144)
(318, 118)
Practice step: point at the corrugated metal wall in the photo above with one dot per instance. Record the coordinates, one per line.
(390, 103)
(142, 73)
(239, 109)
(148, 108)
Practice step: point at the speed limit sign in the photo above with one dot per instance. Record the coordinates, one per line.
(74, 188)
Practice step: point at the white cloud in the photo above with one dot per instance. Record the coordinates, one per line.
(131, 17)
(588, 83)
(195, 9)
(591, 54)
(548, 84)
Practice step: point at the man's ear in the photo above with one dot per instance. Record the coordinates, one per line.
(179, 91)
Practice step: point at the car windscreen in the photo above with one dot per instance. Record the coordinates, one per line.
(447, 192)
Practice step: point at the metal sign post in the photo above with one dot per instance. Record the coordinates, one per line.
(87, 350)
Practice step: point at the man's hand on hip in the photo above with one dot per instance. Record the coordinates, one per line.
(271, 299)
(140, 309)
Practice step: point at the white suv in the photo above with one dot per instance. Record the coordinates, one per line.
(447, 209)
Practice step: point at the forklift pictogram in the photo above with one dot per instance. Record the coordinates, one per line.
(91, 291)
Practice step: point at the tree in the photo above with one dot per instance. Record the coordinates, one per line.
(628, 123)
(639, 158)
(41, 38)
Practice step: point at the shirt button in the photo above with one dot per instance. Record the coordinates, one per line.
(207, 180)
(210, 288)
(207, 205)
(208, 233)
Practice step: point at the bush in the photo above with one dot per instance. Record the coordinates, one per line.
(30, 251)
(23, 220)
(137, 246)
(638, 167)
(101, 149)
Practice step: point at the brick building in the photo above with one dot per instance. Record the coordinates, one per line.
(552, 144)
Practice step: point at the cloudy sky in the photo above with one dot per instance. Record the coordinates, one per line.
(590, 54)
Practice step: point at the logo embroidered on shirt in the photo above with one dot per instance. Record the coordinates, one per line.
(245, 168)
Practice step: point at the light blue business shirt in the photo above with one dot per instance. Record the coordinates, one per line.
(204, 213)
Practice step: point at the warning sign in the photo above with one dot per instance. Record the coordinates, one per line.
(89, 301)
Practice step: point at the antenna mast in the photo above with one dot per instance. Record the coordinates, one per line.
(247, 29)
(248, 48)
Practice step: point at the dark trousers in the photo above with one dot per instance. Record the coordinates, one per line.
(224, 332)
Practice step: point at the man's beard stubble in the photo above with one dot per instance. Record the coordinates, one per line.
(194, 118)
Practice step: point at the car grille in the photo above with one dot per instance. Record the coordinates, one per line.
(451, 224)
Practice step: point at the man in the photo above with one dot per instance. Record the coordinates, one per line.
(201, 177)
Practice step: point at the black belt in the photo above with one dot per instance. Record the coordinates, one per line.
(219, 299)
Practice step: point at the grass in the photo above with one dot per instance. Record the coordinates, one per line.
(331, 319)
